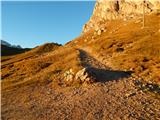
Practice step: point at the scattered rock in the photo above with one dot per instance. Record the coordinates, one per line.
(154, 88)
(99, 32)
(69, 76)
(130, 94)
(85, 40)
(137, 82)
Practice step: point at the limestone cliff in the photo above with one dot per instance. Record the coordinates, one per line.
(105, 10)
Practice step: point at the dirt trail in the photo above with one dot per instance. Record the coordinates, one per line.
(104, 73)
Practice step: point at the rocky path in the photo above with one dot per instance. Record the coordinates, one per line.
(104, 73)
(113, 97)
(89, 61)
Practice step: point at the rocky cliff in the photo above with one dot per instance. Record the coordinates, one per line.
(105, 10)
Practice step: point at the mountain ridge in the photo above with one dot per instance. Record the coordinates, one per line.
(9, 45)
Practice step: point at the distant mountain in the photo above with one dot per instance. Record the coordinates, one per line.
(9, 45)
(8, 49)
(5, 43)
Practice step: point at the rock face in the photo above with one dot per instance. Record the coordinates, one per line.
(105, 10)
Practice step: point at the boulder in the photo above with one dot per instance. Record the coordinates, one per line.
(86, 75)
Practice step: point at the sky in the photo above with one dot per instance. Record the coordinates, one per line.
(30, 24)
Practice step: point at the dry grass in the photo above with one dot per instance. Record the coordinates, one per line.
(47, 66)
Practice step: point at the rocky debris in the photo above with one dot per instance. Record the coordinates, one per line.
(130, 94)
(106, 10)
(99, 32)
(69, 76)
(86, 75)
(154, 88)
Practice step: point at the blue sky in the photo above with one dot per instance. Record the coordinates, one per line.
(34, 23)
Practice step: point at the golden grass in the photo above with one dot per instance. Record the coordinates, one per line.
(46, 67)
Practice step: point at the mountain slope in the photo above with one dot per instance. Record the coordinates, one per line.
(122, 62)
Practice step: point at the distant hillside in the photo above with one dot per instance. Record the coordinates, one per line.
(8, 49)
(29, 53)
